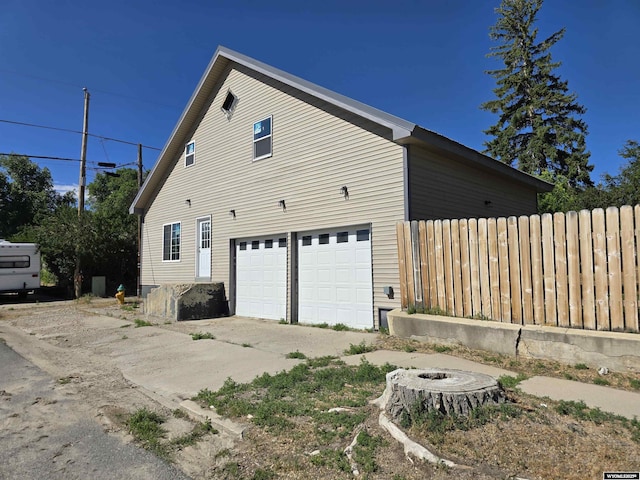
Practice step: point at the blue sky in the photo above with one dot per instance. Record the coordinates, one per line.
(423, 61)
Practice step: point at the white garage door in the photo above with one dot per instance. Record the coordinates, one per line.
(261, 277)
(334, 277)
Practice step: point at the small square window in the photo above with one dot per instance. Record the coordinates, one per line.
(268, 244)
(255, 245)
(243, 245)
(323, 238)
(282, 242)
(190, 154)
(362, 235)
(229, 104)
(262, 139)
(342, 237)
(306, 240)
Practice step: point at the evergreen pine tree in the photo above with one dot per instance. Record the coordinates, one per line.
(539, 129)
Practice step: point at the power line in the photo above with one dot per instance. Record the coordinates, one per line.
(76, 131)
(65, 159)
(43, 157)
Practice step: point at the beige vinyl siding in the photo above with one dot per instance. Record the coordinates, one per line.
(447, 188)
(316, 150)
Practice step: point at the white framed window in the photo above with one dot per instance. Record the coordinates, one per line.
(171, 242)
(190, 154)
(262, 134)
(229, 104)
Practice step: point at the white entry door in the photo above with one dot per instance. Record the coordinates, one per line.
(203, 251)
(335, 278)
(261, 277)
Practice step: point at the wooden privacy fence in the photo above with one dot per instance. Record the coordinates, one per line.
(578, 269)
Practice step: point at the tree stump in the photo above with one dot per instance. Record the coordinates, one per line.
(438, 389)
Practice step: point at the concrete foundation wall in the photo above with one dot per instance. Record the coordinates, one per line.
(616, 351)
(193, 301)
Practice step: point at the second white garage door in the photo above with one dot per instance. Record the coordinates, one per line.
(334, 277)
(261, 277)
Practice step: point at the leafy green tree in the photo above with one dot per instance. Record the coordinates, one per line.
(26, 194)
(624, 188)
(538, 128)
(115, 229)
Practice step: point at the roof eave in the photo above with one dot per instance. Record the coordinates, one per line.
(443, 143)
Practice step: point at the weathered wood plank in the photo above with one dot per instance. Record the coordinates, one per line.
(612, 218)
(537, 279)
(628, 248)
(525, 270)
(603, 321)
(573, 268)
(457, 268)
(514, 270)
(586, 267)
(448, 266)
(475, 269)
(562, 284)
(402, 267)
(549, 266)
(408, 251)
(433, 273)
(494, 269)
(505, 286)
(424, 263)
(465, 267)
(439, 251)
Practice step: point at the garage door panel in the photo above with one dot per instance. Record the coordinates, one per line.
(334, 278)
(261, 279)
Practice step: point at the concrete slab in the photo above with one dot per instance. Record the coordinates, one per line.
(606, 399)
(425, 360)
(274, 337)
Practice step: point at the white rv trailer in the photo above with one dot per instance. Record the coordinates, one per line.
(19, 267)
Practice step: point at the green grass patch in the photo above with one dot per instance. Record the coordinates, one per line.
(409, 348)
(191, 438)
(130, 307)
(141, 323)
(321, 325)
(247, 345)
(580, 411)
(434, 424)
(146, 428)
(296, 354)
(308, 390)
(633, 383)
(442, 348)
(202, 336)
(340, 327)
(126, 325)
(507, 381)
(580, 366)
(283, 322)
(412, 309)
(358, 349)
(601, 381)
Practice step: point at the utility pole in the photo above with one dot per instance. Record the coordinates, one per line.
(77, 277)
(139, 222)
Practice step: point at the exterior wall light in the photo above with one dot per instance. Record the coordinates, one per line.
(345, 192)
(232, 213)
(282, 204)
(188, 201)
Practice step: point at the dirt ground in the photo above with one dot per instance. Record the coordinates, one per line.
(539, 444)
